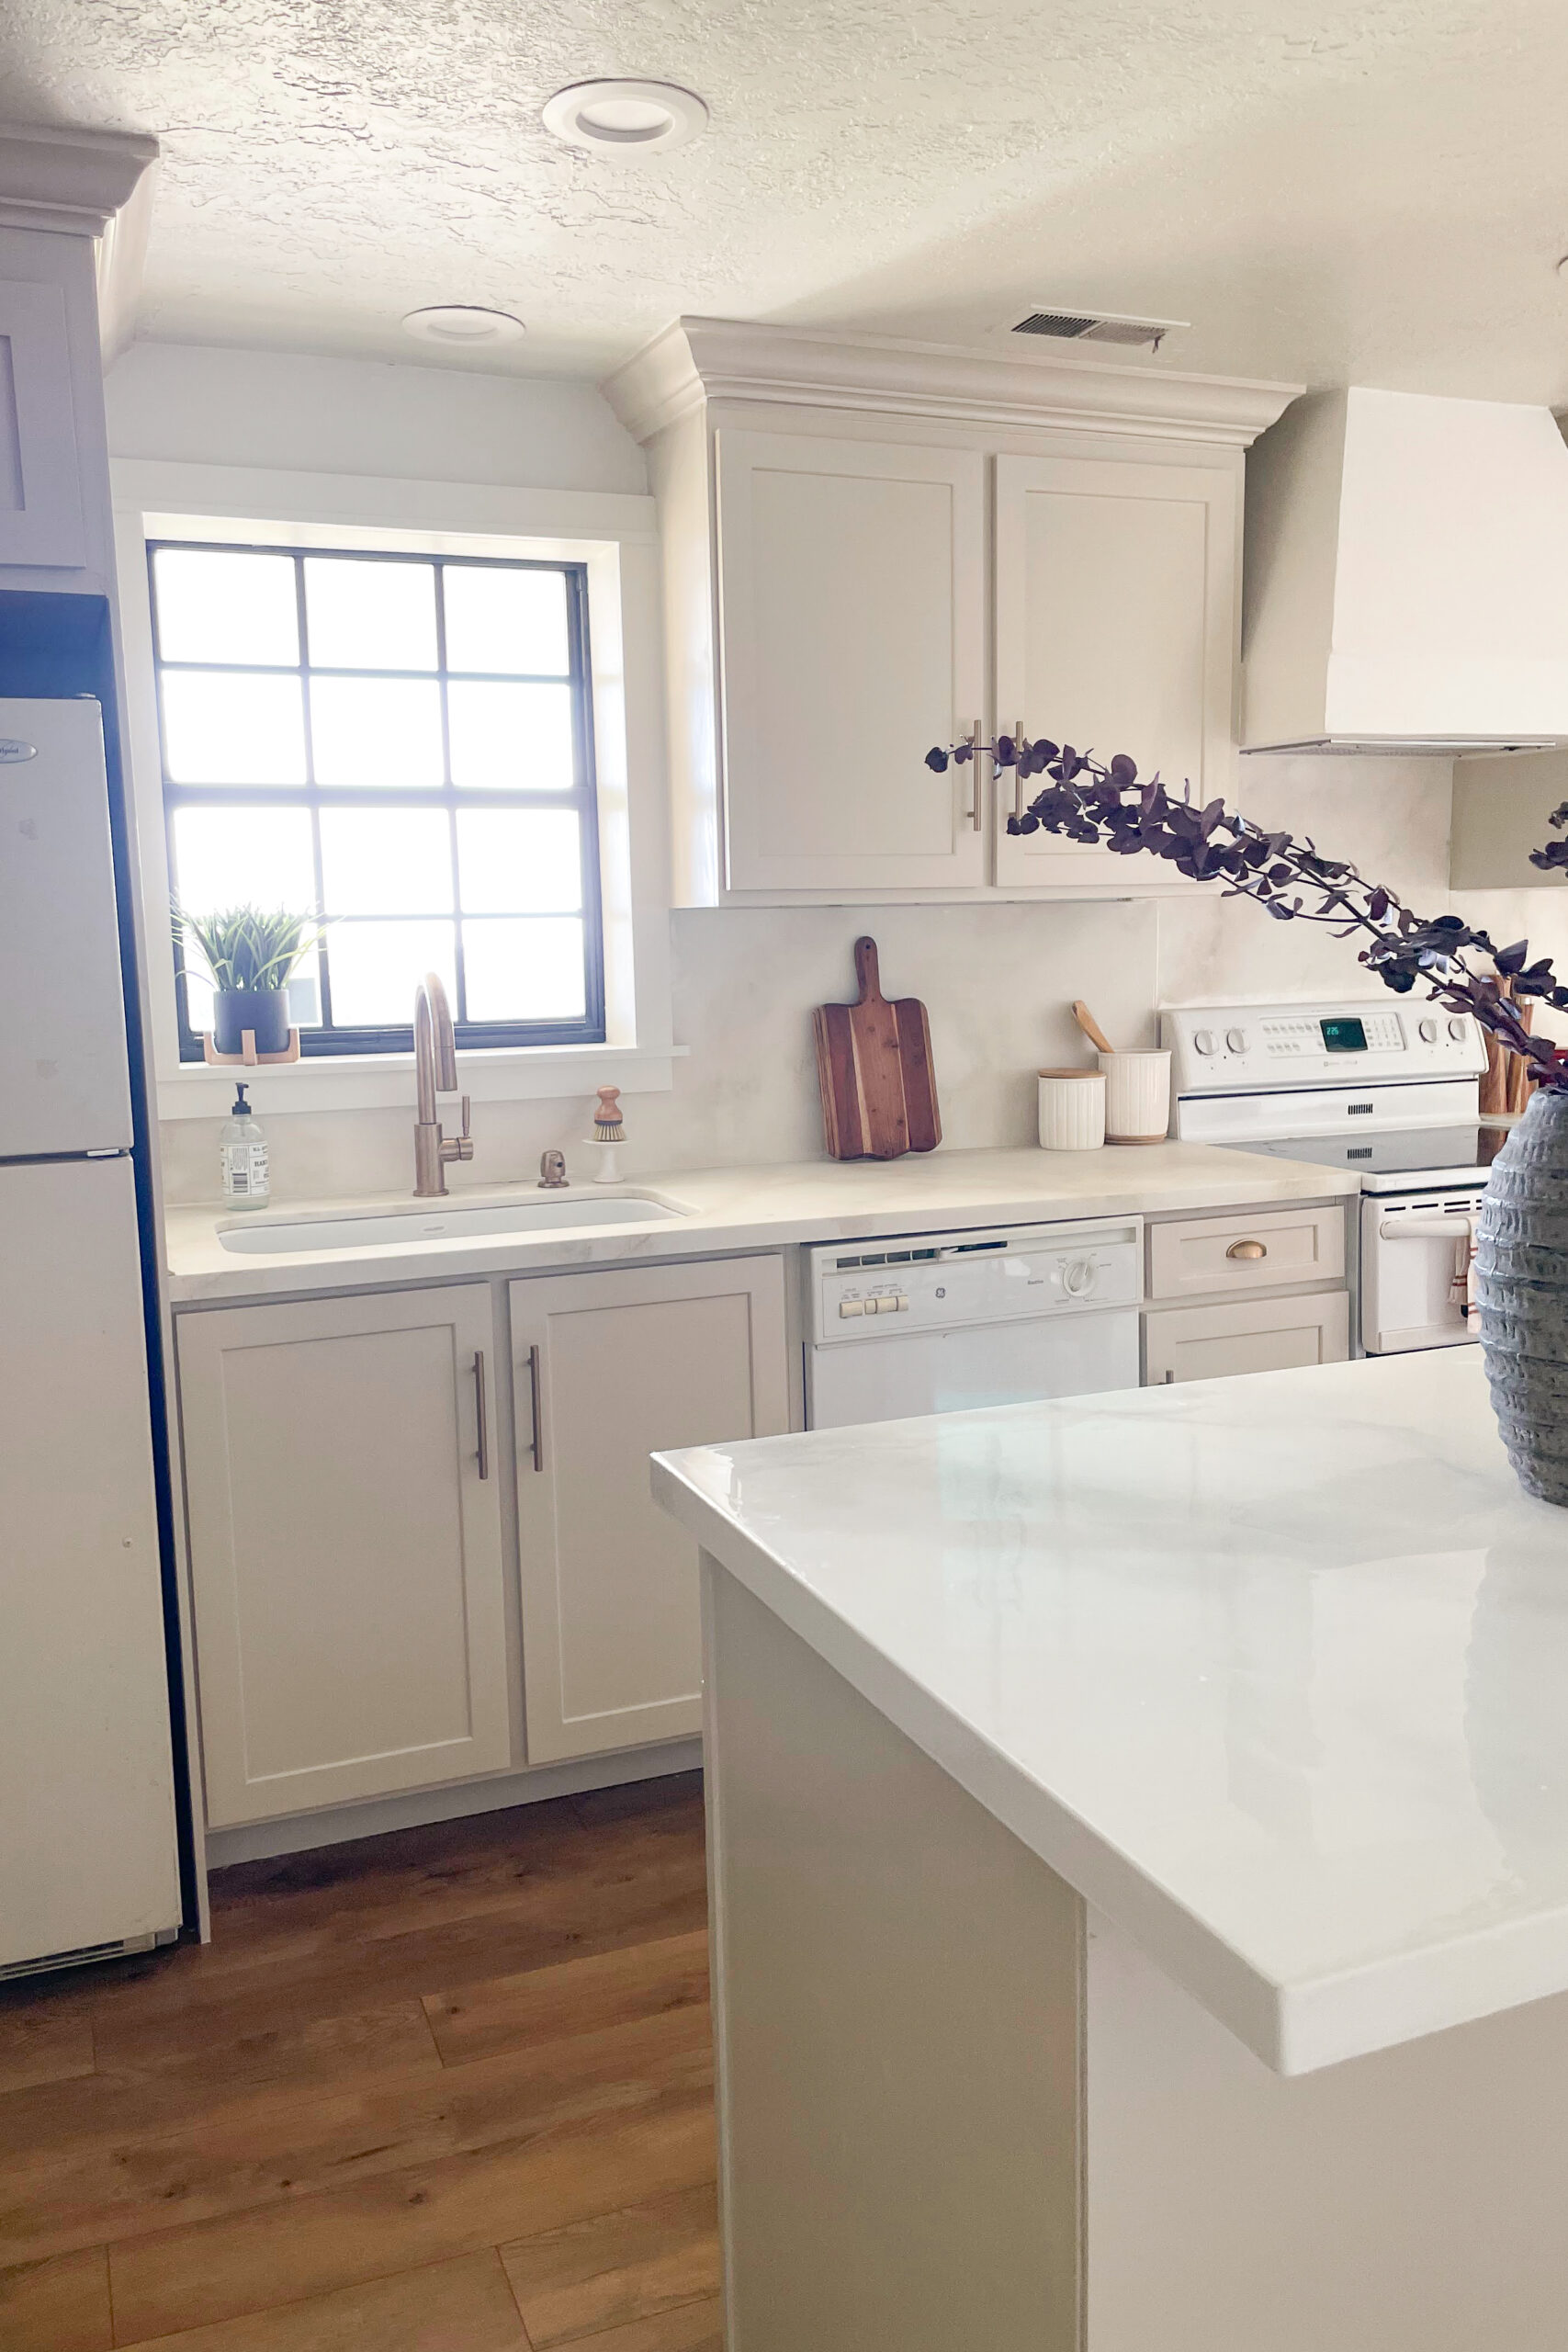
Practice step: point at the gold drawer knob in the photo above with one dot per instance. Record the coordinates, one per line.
(1248, 1250)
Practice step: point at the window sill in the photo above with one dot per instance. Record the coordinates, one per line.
(385, 1081)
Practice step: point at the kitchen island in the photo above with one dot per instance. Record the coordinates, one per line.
(1139, 1830)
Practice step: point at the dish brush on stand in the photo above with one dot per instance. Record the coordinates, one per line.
(609, 1133)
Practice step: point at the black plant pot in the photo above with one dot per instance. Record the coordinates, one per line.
(263, 1011)
(1521, 1268)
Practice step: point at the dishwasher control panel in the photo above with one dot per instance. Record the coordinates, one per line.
(937, 1282)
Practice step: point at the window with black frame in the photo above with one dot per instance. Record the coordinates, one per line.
(401, 746)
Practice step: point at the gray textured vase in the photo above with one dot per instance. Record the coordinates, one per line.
(1521, 1269)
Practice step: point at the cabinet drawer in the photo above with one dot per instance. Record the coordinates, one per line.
(1245, 1335)
(1245, 1249)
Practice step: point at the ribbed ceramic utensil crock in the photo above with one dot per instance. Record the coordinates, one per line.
(1521, 1267)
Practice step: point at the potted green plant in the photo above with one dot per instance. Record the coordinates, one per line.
(1522, 1255)
(250, 954)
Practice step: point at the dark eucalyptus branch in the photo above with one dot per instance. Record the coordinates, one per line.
(1110, 807)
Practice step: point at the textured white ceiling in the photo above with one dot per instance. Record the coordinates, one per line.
(1356, 190)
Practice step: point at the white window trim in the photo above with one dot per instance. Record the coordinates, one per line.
(615, 535)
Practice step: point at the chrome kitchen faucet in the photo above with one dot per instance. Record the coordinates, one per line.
(435, 1072)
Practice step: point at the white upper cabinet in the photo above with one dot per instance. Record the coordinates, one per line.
(836, 603)
(41, 493)
(63, 254)
(1115, 632)
(851, 596)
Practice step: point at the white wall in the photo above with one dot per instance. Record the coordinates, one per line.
(352, 416)
(997, 979)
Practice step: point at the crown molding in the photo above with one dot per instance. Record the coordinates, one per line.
(75, 181)
(122, 265)
(700, 360)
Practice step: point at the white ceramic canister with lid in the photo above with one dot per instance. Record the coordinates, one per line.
(1072, 1109)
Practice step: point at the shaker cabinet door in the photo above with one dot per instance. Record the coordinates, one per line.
(1115, 632)
(345, 1542)
(41, 497)
(608, 1369)
(852, 605)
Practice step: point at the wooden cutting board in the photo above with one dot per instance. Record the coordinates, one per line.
(873, 1064)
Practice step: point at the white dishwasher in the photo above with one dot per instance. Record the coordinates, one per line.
(939, 1322)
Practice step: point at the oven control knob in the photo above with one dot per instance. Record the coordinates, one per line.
(1429, 1029)
(1237, 1040)
(1456, 1028)
(1205, 1040)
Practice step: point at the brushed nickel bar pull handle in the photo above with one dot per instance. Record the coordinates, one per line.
(1018, 769)
(536, 1441)
(1248, 1250)
(977, 811)
(482, 1409)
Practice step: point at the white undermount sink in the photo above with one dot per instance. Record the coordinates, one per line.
(414, 1228)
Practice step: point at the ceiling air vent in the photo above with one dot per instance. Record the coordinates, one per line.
(1103, 326)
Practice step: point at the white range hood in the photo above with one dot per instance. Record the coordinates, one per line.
(1406, 577)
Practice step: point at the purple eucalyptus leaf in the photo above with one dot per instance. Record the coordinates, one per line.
(1083, 801)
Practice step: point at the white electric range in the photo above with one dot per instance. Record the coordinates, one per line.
(1390, 1089)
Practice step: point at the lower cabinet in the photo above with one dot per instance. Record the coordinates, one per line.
(1246, 1250)
(608, 1368)
(346, 1555)
(1245, 1335)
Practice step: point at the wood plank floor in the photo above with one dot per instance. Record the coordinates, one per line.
(445, 2091)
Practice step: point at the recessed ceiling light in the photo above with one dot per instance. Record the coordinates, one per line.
(626, 117)
(462, 323)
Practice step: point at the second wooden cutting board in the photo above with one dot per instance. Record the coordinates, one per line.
(873, 1064)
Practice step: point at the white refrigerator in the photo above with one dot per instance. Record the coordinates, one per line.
(88, 1847)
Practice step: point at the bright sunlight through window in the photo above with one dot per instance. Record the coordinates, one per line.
(399, 744)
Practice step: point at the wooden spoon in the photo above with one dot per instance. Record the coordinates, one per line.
(1091, 1027)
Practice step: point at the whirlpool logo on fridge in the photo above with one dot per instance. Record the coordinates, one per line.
(13, 750)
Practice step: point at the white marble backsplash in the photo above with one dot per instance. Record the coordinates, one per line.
(997, 980)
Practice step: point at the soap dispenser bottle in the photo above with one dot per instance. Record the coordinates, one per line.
(242, 1156)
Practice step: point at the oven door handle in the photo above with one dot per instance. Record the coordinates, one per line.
(1429, 1225)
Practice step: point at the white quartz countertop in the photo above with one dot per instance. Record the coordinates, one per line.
(1274, 1670)
(727, 1209)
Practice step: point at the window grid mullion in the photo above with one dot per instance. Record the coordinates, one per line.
(585, 767)
(337, 670)
(459, 968)
(367, 796)
(324, 956)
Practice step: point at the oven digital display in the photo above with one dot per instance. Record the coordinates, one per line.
(1344, 1036)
